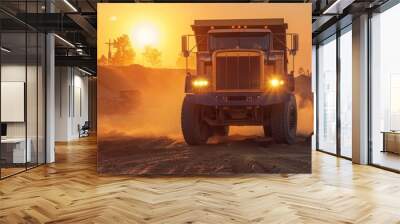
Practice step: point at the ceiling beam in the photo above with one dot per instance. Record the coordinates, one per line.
(84, 24)
(337, 6)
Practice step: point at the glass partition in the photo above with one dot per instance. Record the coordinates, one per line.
(385, 89)
(14, 153)
(22, 67)
(346, 93)
(327, 95)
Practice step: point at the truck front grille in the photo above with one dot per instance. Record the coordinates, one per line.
(237, 72)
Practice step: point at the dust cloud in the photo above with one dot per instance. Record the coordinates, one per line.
(139, 101)
(304, 116)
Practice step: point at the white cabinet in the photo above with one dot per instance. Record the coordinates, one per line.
(17, 146)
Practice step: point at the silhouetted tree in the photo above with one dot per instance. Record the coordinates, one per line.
(124, 54)
(301, 71)
(102, 60)
(152, 55)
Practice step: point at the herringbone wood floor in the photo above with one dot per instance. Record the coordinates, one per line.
(70, 191)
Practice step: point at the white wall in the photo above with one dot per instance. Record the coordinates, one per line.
(61, 103)
(71, 102)
(80, 110)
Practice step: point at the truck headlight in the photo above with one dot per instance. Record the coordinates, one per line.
(200, 83)
(276, 82)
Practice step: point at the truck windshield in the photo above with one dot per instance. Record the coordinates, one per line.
(242, 40)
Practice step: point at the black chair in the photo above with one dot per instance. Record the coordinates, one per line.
(84, 130)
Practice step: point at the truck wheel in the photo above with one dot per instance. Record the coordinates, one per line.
(195, 130)
(267, 130)
(267, 123)
(221, 130)
(284, 121)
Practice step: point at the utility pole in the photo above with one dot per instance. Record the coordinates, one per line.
(109, 43)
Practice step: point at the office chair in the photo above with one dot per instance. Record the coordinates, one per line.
(84, 130)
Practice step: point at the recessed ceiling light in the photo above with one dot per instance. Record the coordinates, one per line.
(65, 41)
(84, 71)
(70, 5)
(337, 7)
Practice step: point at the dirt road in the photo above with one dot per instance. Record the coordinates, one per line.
(136, 101)
(230, 155)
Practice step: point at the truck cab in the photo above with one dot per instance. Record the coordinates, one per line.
(241, 78)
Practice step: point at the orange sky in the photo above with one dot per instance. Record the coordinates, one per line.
(162, 25)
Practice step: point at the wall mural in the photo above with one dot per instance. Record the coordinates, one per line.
(204, 89)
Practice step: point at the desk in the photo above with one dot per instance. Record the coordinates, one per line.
(391, 141)
(15, 148)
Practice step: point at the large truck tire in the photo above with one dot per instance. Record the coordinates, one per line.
(267, 130)
(284, 121)
(195, 130)
(267, 123)
(221, 130)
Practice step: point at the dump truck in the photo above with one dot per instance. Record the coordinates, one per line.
(241, 78)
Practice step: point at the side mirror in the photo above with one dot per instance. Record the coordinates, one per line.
(185, 47)
(291, 82)
(295, 43)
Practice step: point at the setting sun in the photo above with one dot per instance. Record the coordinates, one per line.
(145, 34)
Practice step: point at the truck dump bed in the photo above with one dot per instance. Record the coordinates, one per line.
(276, 25)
